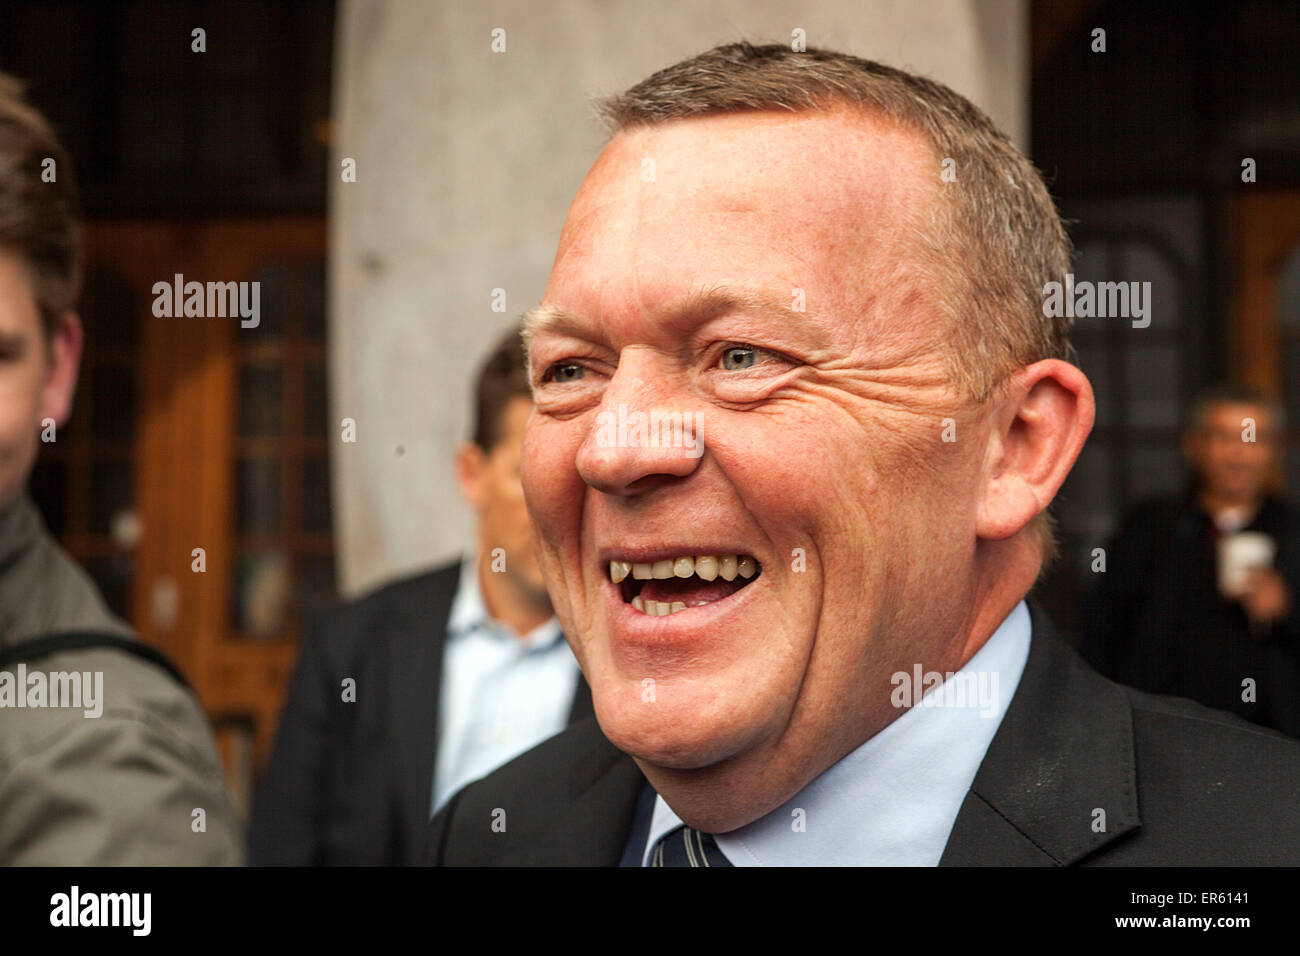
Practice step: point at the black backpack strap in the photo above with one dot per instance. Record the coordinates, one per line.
(86, 640)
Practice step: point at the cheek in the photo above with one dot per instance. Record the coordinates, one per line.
(20, 399)
(552, 487)
(19, 434)
(798, 480)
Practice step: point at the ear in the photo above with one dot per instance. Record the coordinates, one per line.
(60, 382)
(470, 463)
(1039, 426)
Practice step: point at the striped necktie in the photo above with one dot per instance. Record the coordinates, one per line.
(687, 847)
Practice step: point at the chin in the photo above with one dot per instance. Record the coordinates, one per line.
(676, 731)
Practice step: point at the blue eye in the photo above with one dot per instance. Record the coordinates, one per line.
(739, 357)
(564, 372)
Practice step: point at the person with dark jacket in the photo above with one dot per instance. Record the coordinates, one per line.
(1164, 618)
(404, 695)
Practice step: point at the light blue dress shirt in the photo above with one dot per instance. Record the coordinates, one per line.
(501, 694)
(894, 800)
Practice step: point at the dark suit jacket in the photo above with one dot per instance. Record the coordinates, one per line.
(1180, 784)
(1156, 621)
(351, 783)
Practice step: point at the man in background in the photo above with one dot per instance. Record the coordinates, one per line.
(122, 779)
(1198, 598)
(455, 672)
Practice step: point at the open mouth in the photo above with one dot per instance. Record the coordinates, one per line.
(675, 584)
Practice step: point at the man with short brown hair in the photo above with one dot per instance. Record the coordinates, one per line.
(801, 605)
(1198, 598)
(134, 778)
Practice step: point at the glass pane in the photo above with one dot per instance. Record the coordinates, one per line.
(48, 486)
(260, 507)
(1291, 377)
(1153, 379)
(109, 309)
(315, 584)
(261, 409)
(110, 493)
(147, 126)
(272, 303)
(261, 596)
(316, 495)
(1086, 503)
(1144, 262)
(1288, 291)
(113, 403)
(113, 576)
(234, 118)
(1090, 261)
(314, 301)
(1155, 469)
(315, 401)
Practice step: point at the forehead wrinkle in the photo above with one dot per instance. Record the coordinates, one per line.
(862, 293)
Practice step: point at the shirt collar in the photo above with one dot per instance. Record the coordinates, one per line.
(469, 615)
(892, 801)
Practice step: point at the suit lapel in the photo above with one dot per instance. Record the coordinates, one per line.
(582, 707)
(417, 633)
(1064, 752)
(590, 826)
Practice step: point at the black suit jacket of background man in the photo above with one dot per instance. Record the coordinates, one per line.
(1155, 619)
(1179, 784)
(350, 783)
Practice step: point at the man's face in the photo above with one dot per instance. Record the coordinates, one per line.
(1231, 467)
(36, 381)
(823, 456)
(499, 499)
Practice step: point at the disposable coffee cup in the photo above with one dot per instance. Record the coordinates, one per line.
(1239, 555)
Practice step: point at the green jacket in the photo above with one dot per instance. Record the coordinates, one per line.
(120, 788)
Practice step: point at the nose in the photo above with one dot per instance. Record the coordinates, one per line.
(641, 438)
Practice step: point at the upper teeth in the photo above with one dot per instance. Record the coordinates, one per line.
(707, 566)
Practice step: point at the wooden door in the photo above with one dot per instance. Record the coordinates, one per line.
(1266, 316)
(193, 479)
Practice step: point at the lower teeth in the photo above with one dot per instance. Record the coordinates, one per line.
(660, 608)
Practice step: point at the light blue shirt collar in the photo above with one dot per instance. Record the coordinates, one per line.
(469, 614)
(500, 694)
(892, 801)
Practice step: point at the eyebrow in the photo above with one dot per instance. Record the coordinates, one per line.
(697, 306)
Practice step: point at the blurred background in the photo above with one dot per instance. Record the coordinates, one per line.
(379, 296)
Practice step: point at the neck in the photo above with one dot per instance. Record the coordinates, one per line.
(739, 790)
(20, 527)
(1009, 570)
(509, 603)
(1216, 502)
